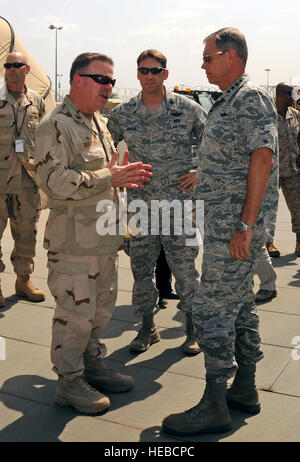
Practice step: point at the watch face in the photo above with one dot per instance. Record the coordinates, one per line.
(241, 226)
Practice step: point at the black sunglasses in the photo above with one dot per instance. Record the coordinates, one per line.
(153, 70)
(100, 78)
(15, 65)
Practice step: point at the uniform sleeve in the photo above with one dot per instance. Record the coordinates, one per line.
(52, 160)
(257, 118)
(42, 108)
(114, 127)
(200, 119)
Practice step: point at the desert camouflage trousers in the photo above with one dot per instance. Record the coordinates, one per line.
(224, 312)
(85, 291)
(23, 210)
(290, 187)
(143, 252)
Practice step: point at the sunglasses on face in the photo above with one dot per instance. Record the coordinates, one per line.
(153, 70)
(14, 65)
(100, 78)
(207, 58)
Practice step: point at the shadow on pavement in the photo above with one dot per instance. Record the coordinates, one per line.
(9, 303)
(128, 321)
(145, 374)
(287, 260)
(39, 421)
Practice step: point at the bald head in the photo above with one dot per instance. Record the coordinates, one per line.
(16, 75)
(16, 56)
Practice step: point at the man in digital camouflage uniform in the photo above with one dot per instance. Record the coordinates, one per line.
(237, 178)
(289, 154)
(289, 162)
(21, 110)
(158, 127)
(77, 168)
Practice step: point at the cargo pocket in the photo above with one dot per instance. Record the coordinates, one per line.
(217, 328)
(56, 229)
(6, 134)
(70, 286)
(6, 144)
(85, 232)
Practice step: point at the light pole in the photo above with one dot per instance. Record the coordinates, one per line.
(56, 29)
(267, 71)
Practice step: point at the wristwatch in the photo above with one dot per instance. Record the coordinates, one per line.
(242, 226)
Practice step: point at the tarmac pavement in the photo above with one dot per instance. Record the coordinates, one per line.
(166, 381)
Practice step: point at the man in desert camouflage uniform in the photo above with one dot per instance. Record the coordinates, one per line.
(158, 127)
(289, 154)
(238, 180)
(77, 168)
(21, 110)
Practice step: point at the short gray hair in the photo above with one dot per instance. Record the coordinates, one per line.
(229, 37)
(84, 60)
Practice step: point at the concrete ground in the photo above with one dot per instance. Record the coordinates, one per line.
(166, 381)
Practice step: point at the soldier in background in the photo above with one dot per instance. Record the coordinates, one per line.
(238, 180)
(158, 127)
(21, 110)
(76, 167)
(289, 155)
(296, 97)
(267, 277)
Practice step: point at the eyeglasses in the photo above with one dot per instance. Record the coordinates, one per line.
(100, 78)
(207, 58)
(14, 65)
(153, 70)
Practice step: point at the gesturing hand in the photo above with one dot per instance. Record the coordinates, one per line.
(128, 175)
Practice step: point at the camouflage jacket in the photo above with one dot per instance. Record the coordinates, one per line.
(243, 119)
(71, 159)
(25, 119)
(289, 143)
(162, 138)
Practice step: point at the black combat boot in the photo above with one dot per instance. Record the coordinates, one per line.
(242, 394)
(211, 415)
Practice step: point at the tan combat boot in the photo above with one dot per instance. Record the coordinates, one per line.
(2, 299)
(190, 346)
(25, 288)
(147, 336)
(79, 394)
(211, 415)
(272, 250)
(100, 376)
(242, 394)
